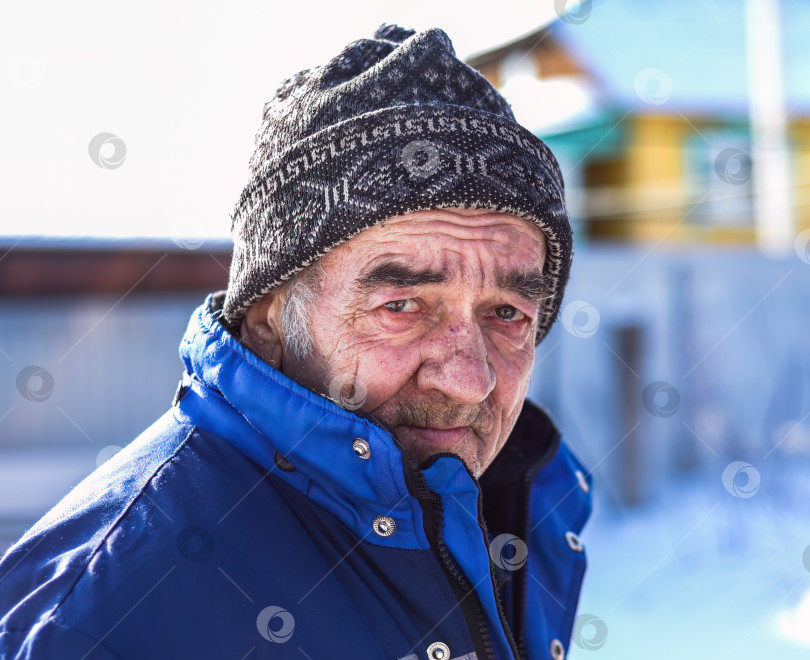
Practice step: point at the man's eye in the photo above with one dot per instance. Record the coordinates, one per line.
(509, 313)
(401, 305)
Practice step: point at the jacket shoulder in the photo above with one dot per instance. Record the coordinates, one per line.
(40, 570)
(50, 638)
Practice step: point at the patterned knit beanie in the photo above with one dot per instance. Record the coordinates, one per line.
(392, 125)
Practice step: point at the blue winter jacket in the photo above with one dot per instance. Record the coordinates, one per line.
(248, 522)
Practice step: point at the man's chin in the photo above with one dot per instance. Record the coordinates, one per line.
(421, 443)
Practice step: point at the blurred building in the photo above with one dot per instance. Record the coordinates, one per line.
(89, 336)
(647, 107)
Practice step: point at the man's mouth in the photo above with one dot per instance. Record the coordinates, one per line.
(440, 437)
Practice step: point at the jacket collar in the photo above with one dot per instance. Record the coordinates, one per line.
(234, 394)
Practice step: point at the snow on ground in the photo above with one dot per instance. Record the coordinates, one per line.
(700, 572)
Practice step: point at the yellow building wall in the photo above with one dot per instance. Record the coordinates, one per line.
(656, 182)
(800, 136)
(655, 195)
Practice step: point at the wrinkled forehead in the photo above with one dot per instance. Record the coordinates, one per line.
(448, 239)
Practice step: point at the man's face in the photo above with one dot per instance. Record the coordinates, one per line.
(432, 317)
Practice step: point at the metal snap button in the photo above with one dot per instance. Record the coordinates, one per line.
(384, 526)
(557, 649)
(573, 542)
(438, 651)
(361, 448)
(583, 484)
(282, 463)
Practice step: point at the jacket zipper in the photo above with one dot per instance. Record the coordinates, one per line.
(522, 582)
(469, 601)
(498, 604)
(522, 585)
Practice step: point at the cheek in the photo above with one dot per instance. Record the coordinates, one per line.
(379, 368)
(385, 371)
(512, 378)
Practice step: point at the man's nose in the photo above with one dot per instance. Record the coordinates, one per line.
(456, 364)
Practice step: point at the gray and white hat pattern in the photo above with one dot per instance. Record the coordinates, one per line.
(392, 125)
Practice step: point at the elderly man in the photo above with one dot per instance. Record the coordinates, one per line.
(350, 468)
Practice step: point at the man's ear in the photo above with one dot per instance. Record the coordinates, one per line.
(261, 329)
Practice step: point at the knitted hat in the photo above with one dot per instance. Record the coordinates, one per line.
(392, 125)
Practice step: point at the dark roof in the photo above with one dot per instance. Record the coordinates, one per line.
(39, 266)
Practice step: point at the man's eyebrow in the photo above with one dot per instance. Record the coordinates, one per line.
(397, 274)
(530, 285)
